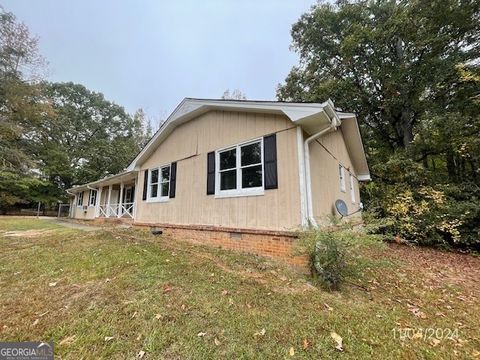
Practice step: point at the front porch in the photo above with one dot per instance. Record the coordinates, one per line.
(116, 198)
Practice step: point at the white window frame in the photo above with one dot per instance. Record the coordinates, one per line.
(91, 195)
(161, 181)
(254, 191)
(78, 199)
(341, 174)
(352, 189)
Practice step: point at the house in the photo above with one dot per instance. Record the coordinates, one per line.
(237, 173)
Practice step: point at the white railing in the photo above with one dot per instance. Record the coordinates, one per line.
(127, 209)
(116, 210)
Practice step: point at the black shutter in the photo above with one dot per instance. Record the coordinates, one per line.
(145, 185)
(211, 173)
(270, 161)
(173, 179)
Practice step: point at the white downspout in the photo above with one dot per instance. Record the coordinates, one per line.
(308, 179)
(301, 172)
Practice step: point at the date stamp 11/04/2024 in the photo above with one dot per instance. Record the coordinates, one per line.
(425, 334)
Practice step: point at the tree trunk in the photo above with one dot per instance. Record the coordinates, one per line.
(404, 128)
(451, 164)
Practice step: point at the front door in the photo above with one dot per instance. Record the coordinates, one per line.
(128, 197)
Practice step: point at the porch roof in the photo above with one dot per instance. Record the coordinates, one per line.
(109, 180)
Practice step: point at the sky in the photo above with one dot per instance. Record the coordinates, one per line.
(151, 54)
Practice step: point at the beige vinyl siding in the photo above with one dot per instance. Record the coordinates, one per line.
(277, 209)
(326, 179)
(79, 213)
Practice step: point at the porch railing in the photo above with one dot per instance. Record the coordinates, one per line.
(116, 210)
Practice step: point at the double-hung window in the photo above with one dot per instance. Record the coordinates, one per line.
(159, 184)
(240, 170)
(80, 199)
(93, 198)
(341, 174)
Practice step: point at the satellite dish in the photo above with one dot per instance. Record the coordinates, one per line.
(341, 207)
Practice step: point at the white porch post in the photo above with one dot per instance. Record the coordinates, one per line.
(73, 207)
(97, 205)
(134, 195)
(108, 199)
(120, 201)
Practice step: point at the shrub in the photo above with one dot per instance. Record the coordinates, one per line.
(336, 254)
(407, 203)
(328, 260)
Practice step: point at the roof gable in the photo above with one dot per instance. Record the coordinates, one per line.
(312, 117)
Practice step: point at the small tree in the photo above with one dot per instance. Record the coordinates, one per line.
(234, 95)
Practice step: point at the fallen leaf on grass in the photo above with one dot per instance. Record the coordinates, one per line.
(167, 290)
(201, 334)
(260, 333)
(225, 292)
(338, 339)
(416, 311)
(291, 352)
(306, 344)
(140, 354)
(68, 340)
(108, 338)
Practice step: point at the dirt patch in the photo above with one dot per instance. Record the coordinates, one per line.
(28, 233)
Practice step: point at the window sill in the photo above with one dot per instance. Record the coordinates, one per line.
(220, 195)
(158, 200)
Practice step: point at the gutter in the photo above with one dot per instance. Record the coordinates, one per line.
(334, 124)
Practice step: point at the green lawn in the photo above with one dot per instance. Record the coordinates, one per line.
(118, 293)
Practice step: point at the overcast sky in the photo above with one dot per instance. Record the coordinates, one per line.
(151, 54)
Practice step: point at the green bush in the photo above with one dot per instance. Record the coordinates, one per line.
(336, 255)
(328, 261)
(407, 202)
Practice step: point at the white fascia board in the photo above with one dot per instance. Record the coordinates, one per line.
(87, 186)
(364, 177)
(352, 117)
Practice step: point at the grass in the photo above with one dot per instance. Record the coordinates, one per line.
(118, 292)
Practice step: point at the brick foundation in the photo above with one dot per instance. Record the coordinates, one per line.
(275, 244)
